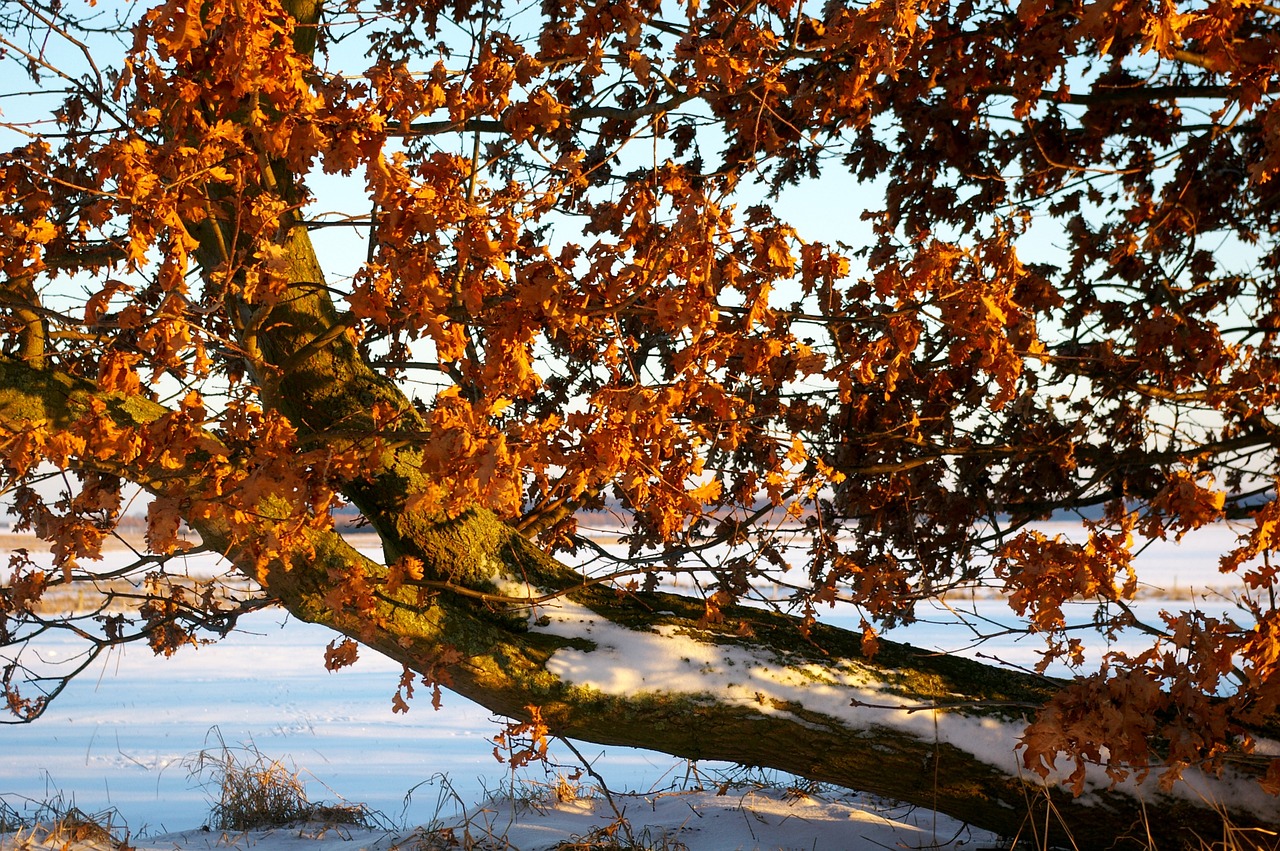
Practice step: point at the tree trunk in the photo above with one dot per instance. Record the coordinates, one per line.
(648, 670)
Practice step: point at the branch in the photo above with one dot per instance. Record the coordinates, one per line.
(1141, 94)
(19, 295)
(586, 113)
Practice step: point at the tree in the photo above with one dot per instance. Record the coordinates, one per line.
(575, 292)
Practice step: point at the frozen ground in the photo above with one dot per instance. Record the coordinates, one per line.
(124, 739)
(686, 821)
(123, 736)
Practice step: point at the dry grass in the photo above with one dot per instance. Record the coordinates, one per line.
(1242, 839)
(10, 820)
(1233, 838)
(610, 838)
(484, 827)
(58, 823)
(469, 834)
(252, 791)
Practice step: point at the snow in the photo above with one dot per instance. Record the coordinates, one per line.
(678, 661)
(674, 660)
(736, 819)
(124, 735)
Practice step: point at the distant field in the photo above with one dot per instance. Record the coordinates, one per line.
(118, 551)
(1167, 569)
(124, 542)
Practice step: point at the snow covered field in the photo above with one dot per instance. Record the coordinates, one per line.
(124, 734)
(124, 738)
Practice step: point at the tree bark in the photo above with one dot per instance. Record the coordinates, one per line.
(790, 709)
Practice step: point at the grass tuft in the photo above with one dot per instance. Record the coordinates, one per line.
(251, 791)
(60, 823)
(10, 819)
(608, 839)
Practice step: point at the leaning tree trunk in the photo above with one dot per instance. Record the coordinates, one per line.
(497, 620)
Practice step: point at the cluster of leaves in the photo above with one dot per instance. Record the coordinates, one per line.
(572, 227)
